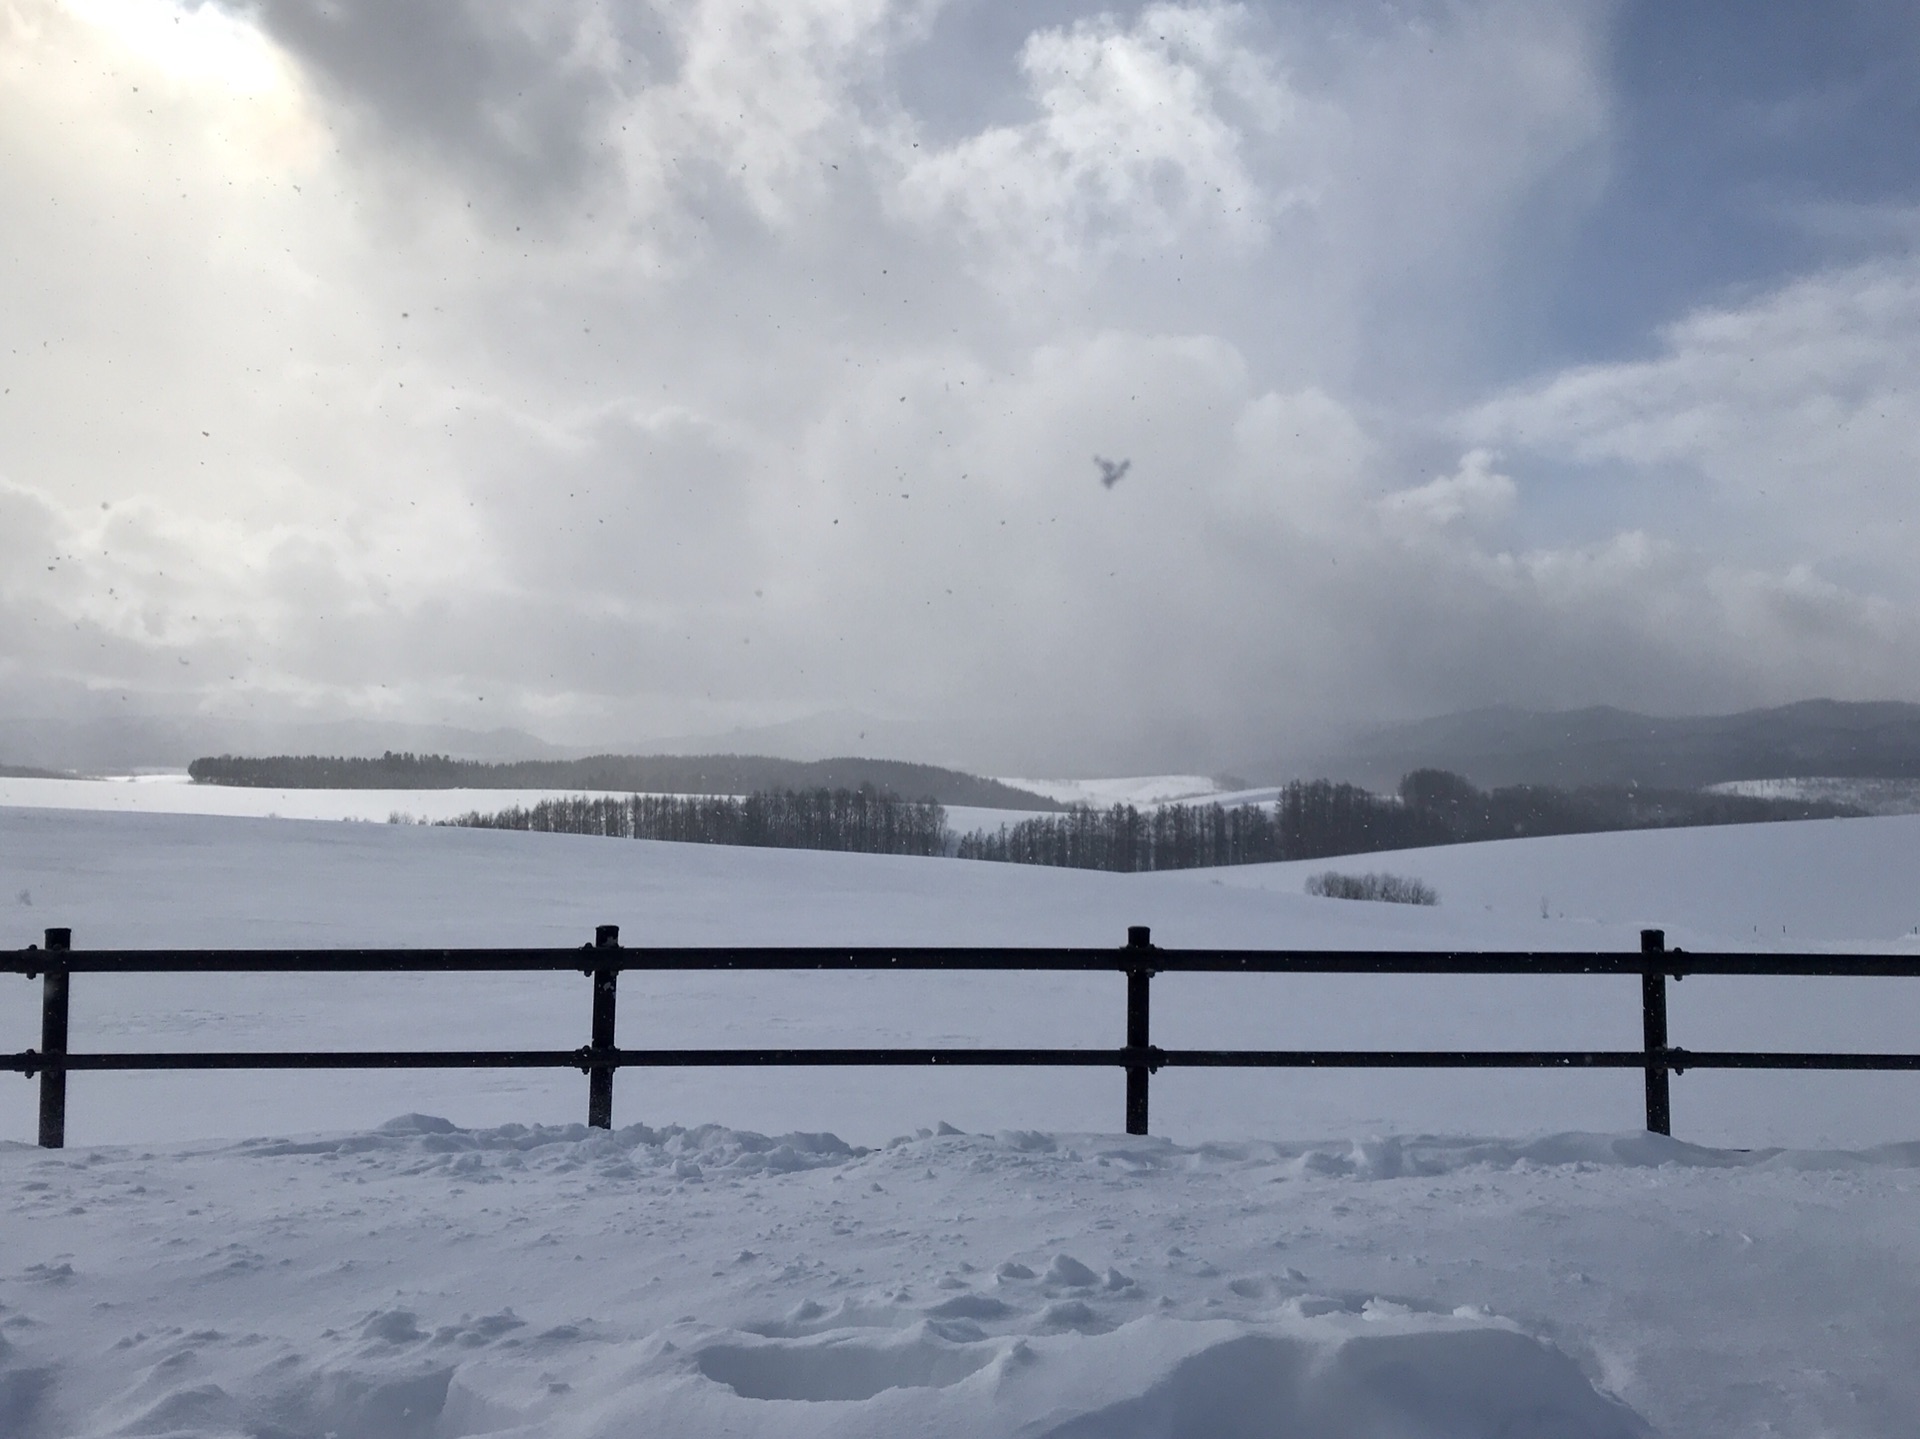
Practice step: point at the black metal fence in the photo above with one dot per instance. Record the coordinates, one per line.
(1139, 960)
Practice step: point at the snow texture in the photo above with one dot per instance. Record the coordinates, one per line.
(505, 1271)
(425, 1279)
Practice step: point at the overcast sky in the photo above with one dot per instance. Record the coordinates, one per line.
(617, 370)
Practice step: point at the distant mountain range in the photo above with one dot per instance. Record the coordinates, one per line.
(27, 771)
(1497, 746)
(1602, 745)
(84, 739)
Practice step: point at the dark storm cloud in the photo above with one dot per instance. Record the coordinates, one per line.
(509, 97)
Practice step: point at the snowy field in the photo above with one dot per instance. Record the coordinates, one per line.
(1140, 790)
(175, 793)
(1875, 796)
(1386, 1255)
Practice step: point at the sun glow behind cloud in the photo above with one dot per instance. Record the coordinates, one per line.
(191, 45)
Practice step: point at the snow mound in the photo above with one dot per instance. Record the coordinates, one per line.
(840, 1367)
(1171, 1378)
(1380, 1376)
(427, 1144)
(1459, 1383)
(424, 1279)
(1433, 1155)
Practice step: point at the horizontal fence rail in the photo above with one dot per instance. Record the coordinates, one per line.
(1139, 960)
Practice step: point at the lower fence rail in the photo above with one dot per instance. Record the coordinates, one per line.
(1138, 960)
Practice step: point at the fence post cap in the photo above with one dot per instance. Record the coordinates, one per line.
(1139, 936)
(606, 936)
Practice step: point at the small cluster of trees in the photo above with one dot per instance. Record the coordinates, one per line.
(1381, 888)
(856, 821)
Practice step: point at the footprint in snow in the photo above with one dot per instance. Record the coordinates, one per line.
(393, 1326)
(1070, 1273)
(1071, 1316)
(1066, 1272)
(971, 1306)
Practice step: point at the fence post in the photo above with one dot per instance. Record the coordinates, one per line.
(1139, 1032)
(600, 1077)
(1653, 1016)
(53, 1042)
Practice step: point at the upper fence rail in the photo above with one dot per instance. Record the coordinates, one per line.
(1139, 960)
(1676, 963)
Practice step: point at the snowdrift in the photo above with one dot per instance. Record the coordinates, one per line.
(425, 1281)
(488, 1273)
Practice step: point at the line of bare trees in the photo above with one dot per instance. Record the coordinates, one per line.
(1312, 819)
(858, 821)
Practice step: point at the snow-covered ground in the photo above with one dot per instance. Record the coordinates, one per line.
(1875, 796)
(1325, 1254)
(132, 880)
(420, 1280)
(1141, 790)
(177, 794)
(1147, 791)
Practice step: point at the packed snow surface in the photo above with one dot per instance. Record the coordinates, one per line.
(1325, 1254)
(421, 1279)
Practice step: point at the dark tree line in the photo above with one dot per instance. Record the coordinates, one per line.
(1312, 819)
(732, 774)
(856, 821)
(392, 770)
(1465, 813)
(1317, 819)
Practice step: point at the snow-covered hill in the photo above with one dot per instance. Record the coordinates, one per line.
(162, 880)
(1274, 1261)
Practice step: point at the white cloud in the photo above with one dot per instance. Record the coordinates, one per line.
(1139, 142)
(1797, 413)
(515, 364)
(1476, 494)
(764, 100)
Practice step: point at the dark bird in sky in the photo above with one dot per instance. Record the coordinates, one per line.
(1112, 472)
